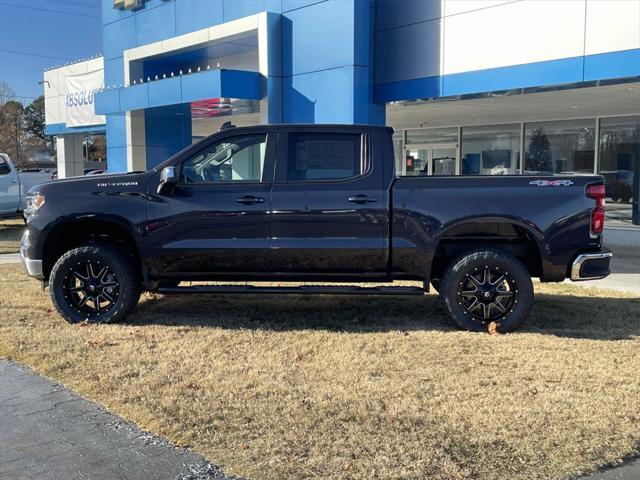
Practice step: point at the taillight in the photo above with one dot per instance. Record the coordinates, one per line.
(597, 192)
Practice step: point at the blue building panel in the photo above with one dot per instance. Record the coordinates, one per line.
(395, 62)
(167, 131)
(427, 87)
(307, 98)
(116, 130)
(201, 86)
(366, 111)
(192, 15)
(61, 128)
(318, 37)
(114, 71)
(553, 72)
(235, 9)
(182, 89)
(621, 64)
(134, 97)
(156, 23)
(110, 14)
(118, 37)
(107, 102)
(164, 92)
(288, 5)
(396, 13)
(117, 159)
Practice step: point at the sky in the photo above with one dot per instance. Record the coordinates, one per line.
(31, 31)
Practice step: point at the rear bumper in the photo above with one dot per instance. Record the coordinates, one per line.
(591, 265)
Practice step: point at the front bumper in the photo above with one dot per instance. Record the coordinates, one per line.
(32, 266)
(591, 265)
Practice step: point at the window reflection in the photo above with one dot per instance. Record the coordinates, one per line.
(619, 165)
(563, 147)
(490, 150)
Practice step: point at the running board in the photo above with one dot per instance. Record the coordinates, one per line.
(301, 290)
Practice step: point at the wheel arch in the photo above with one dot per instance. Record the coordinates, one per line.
(521, 239)
(70, 233)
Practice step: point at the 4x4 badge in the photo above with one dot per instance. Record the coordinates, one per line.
(551, 183)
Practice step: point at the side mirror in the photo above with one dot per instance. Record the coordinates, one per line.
(168, 181)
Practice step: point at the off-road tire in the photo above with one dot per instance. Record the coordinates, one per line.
(496, 260)
(128, 283)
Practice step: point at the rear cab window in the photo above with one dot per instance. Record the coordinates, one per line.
(324, 156)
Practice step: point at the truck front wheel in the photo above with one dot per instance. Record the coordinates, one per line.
(94, 283)
(487, 289)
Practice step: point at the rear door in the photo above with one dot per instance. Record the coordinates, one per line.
(329, 204)
(9, 187)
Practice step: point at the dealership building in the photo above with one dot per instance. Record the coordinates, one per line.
(471, 87)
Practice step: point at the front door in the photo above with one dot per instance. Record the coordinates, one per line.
(329, 205)
(217, 219)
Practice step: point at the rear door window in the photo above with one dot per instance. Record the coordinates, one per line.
(324, 156)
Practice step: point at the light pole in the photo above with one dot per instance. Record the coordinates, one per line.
(17, 141)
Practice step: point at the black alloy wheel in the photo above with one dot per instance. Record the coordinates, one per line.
(487, 294)
(91, 287)
(487, 290)
(94, 283)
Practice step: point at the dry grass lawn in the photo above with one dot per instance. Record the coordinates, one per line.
(354, 387)
(10, 234)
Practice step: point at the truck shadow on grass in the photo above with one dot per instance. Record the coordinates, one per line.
(599, 318)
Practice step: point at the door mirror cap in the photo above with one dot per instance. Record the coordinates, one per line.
(168, 181)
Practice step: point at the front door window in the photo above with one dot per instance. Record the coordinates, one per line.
(235, 159)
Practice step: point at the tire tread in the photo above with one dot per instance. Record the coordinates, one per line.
(130, 284)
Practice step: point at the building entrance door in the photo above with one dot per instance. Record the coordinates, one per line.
(431, 159)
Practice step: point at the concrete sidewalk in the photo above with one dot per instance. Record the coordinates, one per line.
(9, 258)
(48, 432)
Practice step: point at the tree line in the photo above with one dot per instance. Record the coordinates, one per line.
(22, 133)
(22, 129)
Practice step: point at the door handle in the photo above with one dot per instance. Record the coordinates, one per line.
(362, 199)
(250, 200)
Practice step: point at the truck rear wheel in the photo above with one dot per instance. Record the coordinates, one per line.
(487, 289)
(94, 283)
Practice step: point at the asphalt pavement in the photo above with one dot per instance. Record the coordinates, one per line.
(48, 432)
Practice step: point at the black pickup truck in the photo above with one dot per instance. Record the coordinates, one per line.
(311, 203)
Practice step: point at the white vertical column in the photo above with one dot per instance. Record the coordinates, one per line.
(270, 66)
(134, 124)
(70, 155)
(136, 141)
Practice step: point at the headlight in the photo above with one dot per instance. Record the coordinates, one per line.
(33, 202)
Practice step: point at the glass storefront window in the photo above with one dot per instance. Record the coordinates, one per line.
(620, 166)
(425, 136)
(430, 151)
(490, 150)
(564, 147)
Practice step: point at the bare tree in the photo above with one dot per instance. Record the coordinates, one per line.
(7, 93)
